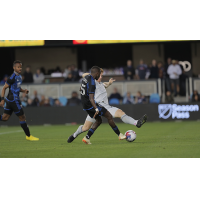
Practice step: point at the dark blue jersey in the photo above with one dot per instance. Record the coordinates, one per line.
(88, 86)
(14, 82)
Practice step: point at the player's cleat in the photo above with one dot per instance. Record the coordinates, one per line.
(32, 138)
(121, 136)
(141, 121)
(70, 139)
(86, 141)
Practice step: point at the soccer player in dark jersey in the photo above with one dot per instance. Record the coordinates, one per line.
(94, 110)
(13, 103)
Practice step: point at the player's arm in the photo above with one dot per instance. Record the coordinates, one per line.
(85, 74)
(3, 94)
(107, 84)
(91, 91)
(91, 97)
(24, 91)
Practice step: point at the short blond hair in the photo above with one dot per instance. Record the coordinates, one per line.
(101, 70)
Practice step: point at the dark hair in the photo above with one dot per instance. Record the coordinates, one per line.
(17, 61)
(95, 69)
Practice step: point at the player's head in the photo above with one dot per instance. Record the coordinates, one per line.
(95, 72)
(17, 66)
(101, 75)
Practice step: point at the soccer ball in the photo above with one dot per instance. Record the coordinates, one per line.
(130, 135)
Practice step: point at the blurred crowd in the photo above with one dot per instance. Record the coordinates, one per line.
(115, 98)
(170, 73)
(41, 101)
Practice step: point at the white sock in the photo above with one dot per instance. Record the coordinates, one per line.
(128, 120)
(78, 131)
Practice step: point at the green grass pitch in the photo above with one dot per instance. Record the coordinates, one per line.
(154, 140)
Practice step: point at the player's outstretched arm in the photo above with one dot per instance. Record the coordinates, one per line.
(107, 84)
(24, 91)
(3, 94)
(85, 74)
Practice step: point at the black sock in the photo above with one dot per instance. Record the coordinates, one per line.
(89, 134)
(0, 117)
(25, 128)
(116, 130)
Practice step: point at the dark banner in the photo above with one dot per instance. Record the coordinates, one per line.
(65, 115)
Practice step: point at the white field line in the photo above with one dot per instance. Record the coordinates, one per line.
(11, 132)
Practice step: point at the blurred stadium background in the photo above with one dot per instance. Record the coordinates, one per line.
(52, 72)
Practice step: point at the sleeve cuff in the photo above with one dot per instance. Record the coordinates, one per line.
(7, 83)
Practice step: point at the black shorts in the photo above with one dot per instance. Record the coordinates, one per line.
(13, 106)
(92, 111)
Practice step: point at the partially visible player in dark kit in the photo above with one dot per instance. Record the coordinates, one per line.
(13, 103)
(94, 110)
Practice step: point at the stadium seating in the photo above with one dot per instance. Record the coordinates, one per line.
(63, 100)
(154, 98)
(114, 101)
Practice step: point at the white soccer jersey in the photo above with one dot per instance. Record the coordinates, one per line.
(100, 93)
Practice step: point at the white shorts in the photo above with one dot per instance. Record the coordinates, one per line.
(112, 110)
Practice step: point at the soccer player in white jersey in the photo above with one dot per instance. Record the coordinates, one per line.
(102, 99)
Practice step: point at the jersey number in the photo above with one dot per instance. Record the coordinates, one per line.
(83, 89)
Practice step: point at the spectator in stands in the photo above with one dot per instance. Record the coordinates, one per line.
(160, 70)
(67, 71)
(129, 71)
(142, 71)
(24, 98)
(139, 98)
(35, 95)
(116, 95)
(75, 73)
(153, 70)
(38, 77)
(4, 79)
(58, 69)
(29, 103)
(42, 100)
(57, 103)
(69, 78)
(46, 103)
(74, 101)
(28, 76)
(174, 72)
(169, 97)
(166, 75)
(36, 102)
(128, 99)
(195, 96)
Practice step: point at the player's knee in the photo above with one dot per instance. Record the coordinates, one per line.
(99, 121)
(5, 118)
(85, 128)
(22, 118)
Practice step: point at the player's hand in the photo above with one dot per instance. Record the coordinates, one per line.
(26, 91)
(111, 81)
(2, 103)
(96, 113)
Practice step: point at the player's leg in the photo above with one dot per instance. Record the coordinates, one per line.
(108, 116)
(97, 123)
(7, 112)
(5, 117)
(22, 120)
(82, 128)
(127, 119)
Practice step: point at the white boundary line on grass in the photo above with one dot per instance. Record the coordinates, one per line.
(11, 132)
